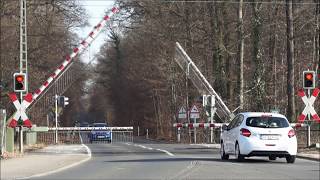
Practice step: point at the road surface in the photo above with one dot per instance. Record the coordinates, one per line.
(151, 160)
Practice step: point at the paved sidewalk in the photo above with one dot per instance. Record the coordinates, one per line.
(44, 161)
(311, 154)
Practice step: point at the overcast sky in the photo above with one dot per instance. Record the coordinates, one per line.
(96, 10)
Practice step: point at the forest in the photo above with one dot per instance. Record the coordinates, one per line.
(252, 52)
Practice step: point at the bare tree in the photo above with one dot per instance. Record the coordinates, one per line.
(240, 54)
(259, 82)
(290, 62)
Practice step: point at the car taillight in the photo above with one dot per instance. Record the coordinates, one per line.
(291, 133)
(245, 132)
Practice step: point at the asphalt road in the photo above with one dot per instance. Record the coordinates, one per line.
(151, 160)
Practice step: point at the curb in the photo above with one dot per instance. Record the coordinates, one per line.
(61, 168)
(308, 158)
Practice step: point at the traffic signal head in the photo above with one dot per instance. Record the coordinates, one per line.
(63, 101)
(66, 101)
(309, 79)
(19, 82)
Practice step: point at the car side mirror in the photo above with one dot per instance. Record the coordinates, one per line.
(225, 127)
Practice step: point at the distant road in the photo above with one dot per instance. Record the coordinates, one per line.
(152, 160)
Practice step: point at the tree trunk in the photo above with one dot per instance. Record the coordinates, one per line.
(290, 63)
(317, 40)
(240, 56)
(259, 80)
(272, 53)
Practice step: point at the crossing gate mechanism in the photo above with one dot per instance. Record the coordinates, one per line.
(30, 98)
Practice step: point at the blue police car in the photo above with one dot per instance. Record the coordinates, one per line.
(100, 135)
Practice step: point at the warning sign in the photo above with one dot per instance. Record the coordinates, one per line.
(194, 113)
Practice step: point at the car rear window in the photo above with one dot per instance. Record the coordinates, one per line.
(267, 122)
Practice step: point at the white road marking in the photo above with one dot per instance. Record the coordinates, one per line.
(150, 148)
(183, 174)
(142, 146)
(165, 151)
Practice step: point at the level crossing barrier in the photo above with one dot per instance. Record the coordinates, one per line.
(81, 135)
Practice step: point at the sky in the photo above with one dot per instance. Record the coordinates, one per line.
(96, 9)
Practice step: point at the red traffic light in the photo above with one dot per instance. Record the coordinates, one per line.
(309, 80)
(19, 82)
(19, 78)
(309, 76)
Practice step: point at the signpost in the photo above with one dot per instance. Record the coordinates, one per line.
(182, 114)
(308, 100)
(194, 114)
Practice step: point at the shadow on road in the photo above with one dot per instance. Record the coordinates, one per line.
(251, 161)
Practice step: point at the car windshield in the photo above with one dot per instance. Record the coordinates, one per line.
(267, 122)
(100, 125)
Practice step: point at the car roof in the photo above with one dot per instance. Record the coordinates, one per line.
(99, 123)
(257, 114)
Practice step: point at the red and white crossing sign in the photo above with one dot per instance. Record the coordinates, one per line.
(21, 110)
(309, 109)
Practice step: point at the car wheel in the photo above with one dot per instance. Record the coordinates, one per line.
(290, 159)
(272, 157)
(238, 155)
(224, 156)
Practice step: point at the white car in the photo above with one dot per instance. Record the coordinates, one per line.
(259, 134)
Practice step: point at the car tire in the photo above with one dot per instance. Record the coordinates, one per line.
(272, 157)
(238, 155)
(290, 159)
(223, 154)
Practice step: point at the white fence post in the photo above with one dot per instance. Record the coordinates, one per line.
(3, 129)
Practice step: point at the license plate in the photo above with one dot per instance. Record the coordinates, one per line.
(100, 136)
(269, 137)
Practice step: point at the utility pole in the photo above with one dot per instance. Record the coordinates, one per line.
(187, 99)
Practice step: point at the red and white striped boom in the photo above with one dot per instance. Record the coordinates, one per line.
(21, 108)
(81, 47)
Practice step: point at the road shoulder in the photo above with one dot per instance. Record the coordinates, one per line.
(309, 154)
(44, 162)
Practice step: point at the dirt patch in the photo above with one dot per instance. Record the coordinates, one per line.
(17, 154)
(309, 150)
